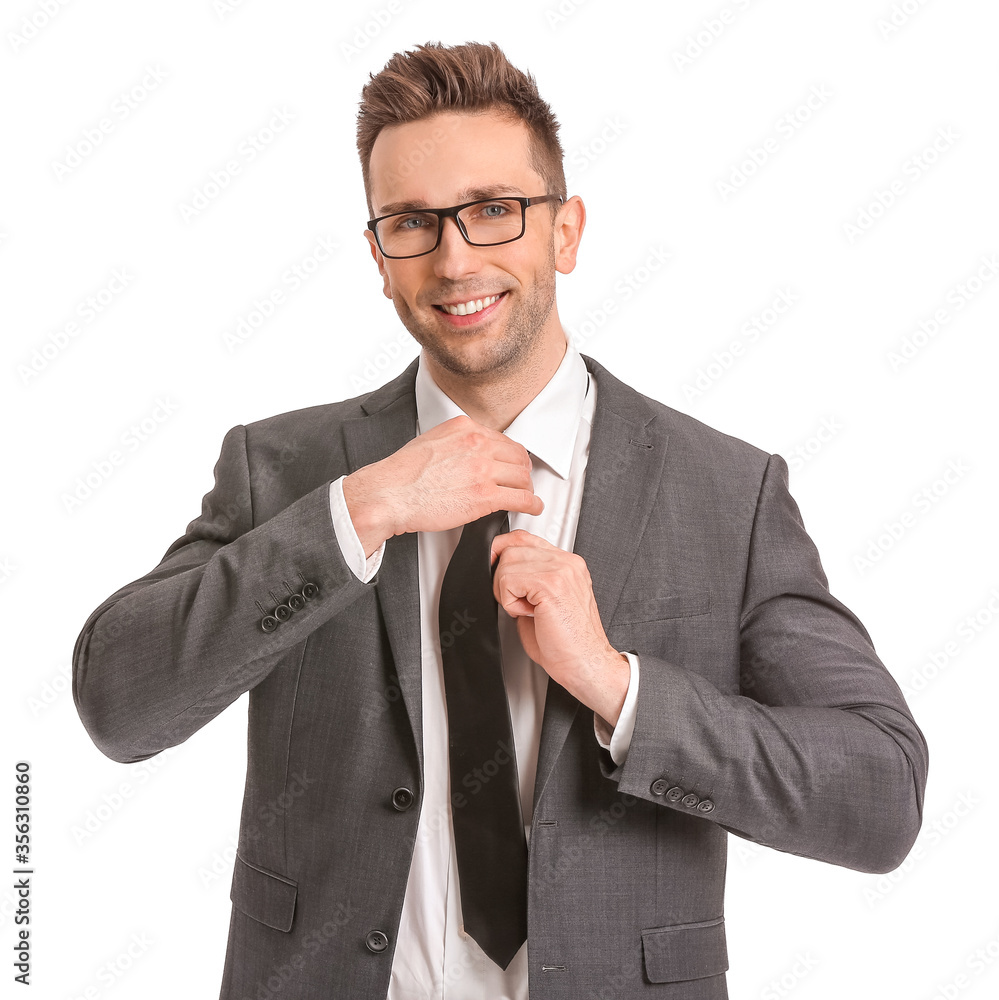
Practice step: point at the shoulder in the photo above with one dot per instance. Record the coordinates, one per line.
(691, 444)
(317, 425)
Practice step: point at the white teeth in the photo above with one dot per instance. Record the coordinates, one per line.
(469, 308)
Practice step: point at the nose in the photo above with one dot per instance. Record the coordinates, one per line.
(454, 257)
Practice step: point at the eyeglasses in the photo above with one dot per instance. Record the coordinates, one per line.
(485, 223)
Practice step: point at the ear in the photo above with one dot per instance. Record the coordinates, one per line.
(569, 224)
(380, 261)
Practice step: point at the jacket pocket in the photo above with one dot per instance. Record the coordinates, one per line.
(663, 606)
(685, 951)
(263, 895)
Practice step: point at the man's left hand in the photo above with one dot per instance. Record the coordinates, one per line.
(549, 592)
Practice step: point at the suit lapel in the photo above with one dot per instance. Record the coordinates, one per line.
(624, 468)
(623, 471)
(390, 423)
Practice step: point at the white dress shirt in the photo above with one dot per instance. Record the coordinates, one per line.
(434, 958)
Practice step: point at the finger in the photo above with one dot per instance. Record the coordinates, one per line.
(492, 442)
(520, 538)
(516, 477)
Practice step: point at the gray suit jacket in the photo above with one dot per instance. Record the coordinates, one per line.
(763, 709)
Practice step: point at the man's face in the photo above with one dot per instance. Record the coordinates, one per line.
(447, 160)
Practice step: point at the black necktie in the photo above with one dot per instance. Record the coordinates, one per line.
(485, 790)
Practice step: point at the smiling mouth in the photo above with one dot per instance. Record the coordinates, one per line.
(469, 308)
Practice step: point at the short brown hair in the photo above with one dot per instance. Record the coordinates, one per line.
(473, 78)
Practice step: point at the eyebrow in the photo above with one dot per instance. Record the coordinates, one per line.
(469, 194)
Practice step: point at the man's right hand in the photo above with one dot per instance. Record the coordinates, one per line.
(453, 474)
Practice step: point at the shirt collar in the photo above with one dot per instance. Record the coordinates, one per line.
(546, 427)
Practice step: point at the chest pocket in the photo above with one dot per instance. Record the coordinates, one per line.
(662, 607)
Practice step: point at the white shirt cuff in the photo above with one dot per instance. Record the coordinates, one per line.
(618, 740)
(350, 544)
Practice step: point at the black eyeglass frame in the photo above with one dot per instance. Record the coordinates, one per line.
(452, 213)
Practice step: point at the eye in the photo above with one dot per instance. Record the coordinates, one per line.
(494, 209)
(411, 223)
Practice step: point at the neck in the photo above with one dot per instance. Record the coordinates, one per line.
(494, 399)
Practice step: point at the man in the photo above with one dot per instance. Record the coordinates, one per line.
(667, 664)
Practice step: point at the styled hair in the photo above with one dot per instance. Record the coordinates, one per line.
(473, 78)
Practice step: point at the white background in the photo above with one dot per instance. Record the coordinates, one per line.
(647, 140)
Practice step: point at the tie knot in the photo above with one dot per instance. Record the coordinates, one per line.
(476, 540)
(493, 524)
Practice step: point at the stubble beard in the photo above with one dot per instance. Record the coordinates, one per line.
(522, 335)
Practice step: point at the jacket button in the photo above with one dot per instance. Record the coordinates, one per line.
(674, 794)
(659, 786)
(377, 941)
(282, 612)
(705, 806)
(268, 623)
(309, 590)
(690, 800)
(402, 799)
(296, 602)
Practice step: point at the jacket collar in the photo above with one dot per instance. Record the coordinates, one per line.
(624, 469)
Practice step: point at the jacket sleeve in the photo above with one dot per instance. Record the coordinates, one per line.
(168, 652)
(818, 754)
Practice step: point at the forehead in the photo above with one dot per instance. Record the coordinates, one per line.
(433, 161)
